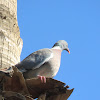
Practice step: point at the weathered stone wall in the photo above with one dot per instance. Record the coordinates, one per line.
(10, 41)
(11, 5)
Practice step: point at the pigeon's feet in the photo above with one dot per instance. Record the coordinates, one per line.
(42, 78)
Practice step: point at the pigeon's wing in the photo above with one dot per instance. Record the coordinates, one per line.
(35, 60)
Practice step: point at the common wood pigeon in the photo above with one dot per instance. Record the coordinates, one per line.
(44, 62)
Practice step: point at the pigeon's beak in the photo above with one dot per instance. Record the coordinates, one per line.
(67, 49)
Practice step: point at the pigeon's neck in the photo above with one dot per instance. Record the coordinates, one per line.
(57, 47)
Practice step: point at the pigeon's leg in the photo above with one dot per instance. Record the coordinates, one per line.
(42, 78)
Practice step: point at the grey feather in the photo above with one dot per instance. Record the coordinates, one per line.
(37, 59)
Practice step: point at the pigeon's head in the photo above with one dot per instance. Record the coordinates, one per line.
(62, 44)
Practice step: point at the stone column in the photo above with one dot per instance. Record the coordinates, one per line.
(10, 41)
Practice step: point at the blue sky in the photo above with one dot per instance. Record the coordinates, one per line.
(44, 22)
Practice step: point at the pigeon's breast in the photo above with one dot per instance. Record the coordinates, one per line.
(55, 61)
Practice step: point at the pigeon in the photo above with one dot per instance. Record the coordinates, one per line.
(43, 63)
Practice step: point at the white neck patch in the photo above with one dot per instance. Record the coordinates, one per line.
(56, 47)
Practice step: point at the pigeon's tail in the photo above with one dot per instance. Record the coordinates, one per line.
(3, 73)
(6, 72)
(20, 67)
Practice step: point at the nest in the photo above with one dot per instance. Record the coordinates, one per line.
(15, 87)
